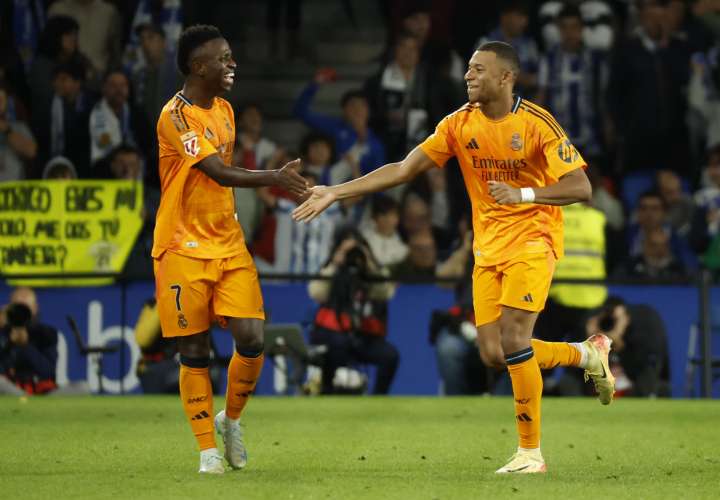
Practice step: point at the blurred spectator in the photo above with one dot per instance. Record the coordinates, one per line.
(708, 13)
(318, 153)
(678, 204)
(646, 100)
(422, 258)
(604, 201)
(19, 29)
(351, 132)
(454, 335)
(651, 215)
(683, 22)
(571, 83)
(416, 213)
(59, 168)
(705, 230)
(639, 357)
(156, 80)
(28, 348)
(570, 304)
(300, 248)
(597, 20)
(58, 45)
(418, 22)
(63, 128)
(352, 318)
(26, 20)
(126, 162)
(165, 16)
(255, 152)
(511, 29)
(252, 149)
(405, 97)
(114, 120)
(704, 98)
(17, 144)
(100, 29)
(656, 260)
(382, 234)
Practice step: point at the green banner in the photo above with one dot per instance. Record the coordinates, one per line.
(67, 227)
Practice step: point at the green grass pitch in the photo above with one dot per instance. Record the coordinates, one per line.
(360, 447)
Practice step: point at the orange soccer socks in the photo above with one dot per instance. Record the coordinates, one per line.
(243, 374)
(527, 390)
(552, 354)
(196, 394)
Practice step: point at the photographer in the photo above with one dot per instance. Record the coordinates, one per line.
(28, 348)
(352, 318)
(639, 356)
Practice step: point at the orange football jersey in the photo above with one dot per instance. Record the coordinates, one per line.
(526, 148)
(196, 216)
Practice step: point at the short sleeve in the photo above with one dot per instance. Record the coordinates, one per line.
(561, 155)
(185, 135)
(440, 145)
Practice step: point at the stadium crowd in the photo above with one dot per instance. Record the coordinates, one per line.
(635, 84)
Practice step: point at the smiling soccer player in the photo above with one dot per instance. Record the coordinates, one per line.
(203, 270)
(518, 166)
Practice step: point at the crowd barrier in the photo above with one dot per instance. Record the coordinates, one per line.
(107, 314)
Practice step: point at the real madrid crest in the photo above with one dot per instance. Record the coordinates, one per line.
(516, 142)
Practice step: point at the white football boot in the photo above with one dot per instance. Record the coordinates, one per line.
(232, 436)
(211, 462)
(524, 462)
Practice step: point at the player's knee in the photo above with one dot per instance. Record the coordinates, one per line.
(248, 335)
(491, 354)
(194, 346)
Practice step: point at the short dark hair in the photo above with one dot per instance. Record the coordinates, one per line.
(503, 51)
(192, 38)
(50, 42)
(514, 6)
(352, 94)
(314, 136)
(121, 149)
(651, 193)
(115, 70)
(570, 10)
(383, 204)
(75, 67)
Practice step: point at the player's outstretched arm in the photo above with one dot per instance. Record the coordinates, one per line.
(573, 187)
(286, 177)
(383, 178)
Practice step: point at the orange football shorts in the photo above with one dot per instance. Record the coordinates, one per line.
(522, 282)
(192, 293)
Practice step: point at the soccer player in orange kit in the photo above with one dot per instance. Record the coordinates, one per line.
(203, 270)
(518, 166)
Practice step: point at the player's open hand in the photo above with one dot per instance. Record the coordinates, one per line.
(289, 179)
(504, 194)
(321, 198)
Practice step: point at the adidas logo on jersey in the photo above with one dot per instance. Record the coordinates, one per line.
(472, 144)
(528, 298)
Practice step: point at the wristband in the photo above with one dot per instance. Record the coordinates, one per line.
(527, 195)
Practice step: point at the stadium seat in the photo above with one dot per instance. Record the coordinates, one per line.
(635, 184)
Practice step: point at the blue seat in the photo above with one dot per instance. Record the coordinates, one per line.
(635, 184)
